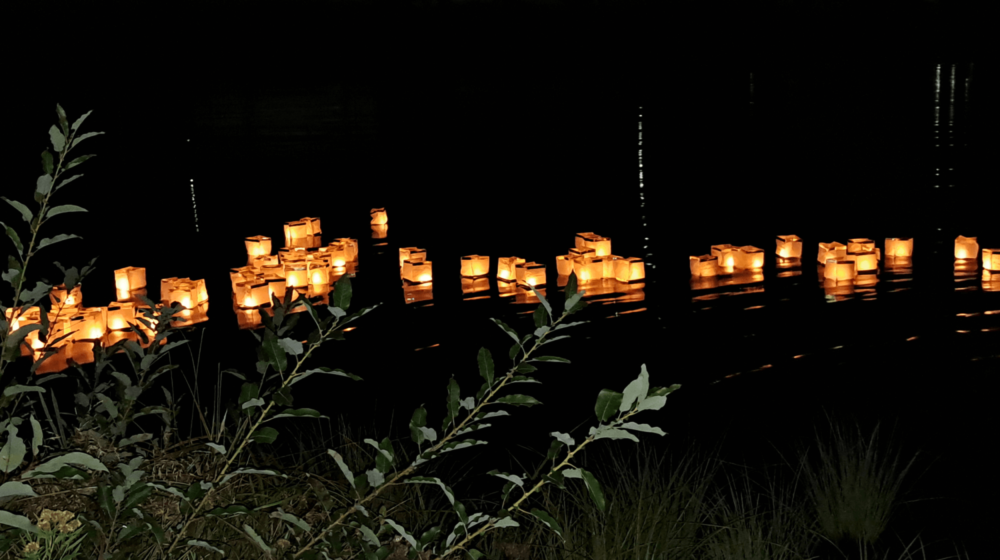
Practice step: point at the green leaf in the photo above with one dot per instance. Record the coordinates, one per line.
(55, 239)
(635, 391)
(299, 413)
(375, 478)
(511, 477)
(203, 544)
(651, 403)
(663, 391)
(109, 405)
(273, 351)
(525, 368)
(248, 391)
(419, 420)
(548, 520)
(65, 182)
(15, 389)
(564, 438)
(510, 332)
(613, 433)
(550, 359)
(79, 121)
(514, 350)
(9, 489)
(83, 137)
(570, 289)
(47, 163)
(250, 471)
(256, 538)
(607, 404)
(342, 292)
(433, 480)
(265, 435)
(485, 360)
(291, 519)
(541, 317)
(293, 347)
(12, 452)
(74, 458)
(235, 509)
(105, 500)
(452, 403)
(519, 400)
(506, 522)
(17, 521)
(409, 538)
(221, 449)
(57, 138)
(64, 209)
(14, 237)
(25, 212)
(594, 487)
(324, 370)
(76, 162)
(251, 403)
(643, 428)
(343, 466)
(62, 119)
(36, 436)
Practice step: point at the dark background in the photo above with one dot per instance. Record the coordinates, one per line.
(504, 128)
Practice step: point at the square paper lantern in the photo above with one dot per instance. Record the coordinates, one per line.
(840, 269)
(475, 265)
(584, 252)
(564, 265)
(864, 262)
(896, 247)
(337, 253)
(991, 259)
(789, 247)
(297, 275)
(630, 270)
(703, 265)
(319, 274)
(130, 278)
(120, 315)
(276, 288)
(312, 226)
(91, 323)
(379, 217)
(531, 274)
(609, 265)
(860, 245)
(506, 270)
(831, 250)
(412, 254)
(600, 245)
(966, 247)
(588, 270)
(475, 285)
(749, 257)
(725, 255)
(350, 247)
(257, 246)
(582, 238)
(295, 233)
(61, 297)
(417, 272)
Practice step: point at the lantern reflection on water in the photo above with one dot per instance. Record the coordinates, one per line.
(832, 250)
(991, 259)
(379, 217)
(966, 247)
(475, 285)
(704, 266)
(840, 269)
(609, 262)
(414, 293)
(898, 247)
(789, 247)
(475, 265)
(991, 281)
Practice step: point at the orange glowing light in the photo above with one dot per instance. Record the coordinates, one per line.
(966, 247)
(895, 247)
(789, 246)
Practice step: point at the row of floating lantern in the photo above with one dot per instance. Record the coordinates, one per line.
(591, 260)
(76, 330)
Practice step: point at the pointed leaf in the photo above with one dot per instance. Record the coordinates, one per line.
(343, 466)
(506, 522)
(643, 428)
(64, 209)
(548, 520)
(510, 332)
(594, 487)
(342, 292)
(652, 403)
(57, 138)
(635, 391)
(257, 539)
(564, 438)
(77, 161)
(486, 370)
(25, 212)
(293, 347)
(274, 352)
(9, 489)
(74, 458)
(203, 544)
(83, 137)
(607, 405)
(79, 121)
(265, 435)
(613, 433)
(433, 480)
(250, 471)
(663, 391)
(55, 239)
(550, 359)
(221, 449)
(570, 289)
(409, 538)
(519, 400)
(36, 436)
(18, 521)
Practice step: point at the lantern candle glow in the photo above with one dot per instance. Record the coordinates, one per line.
(130, 278)
(725, 254)
(966, 247)
(475, 265)
(258, 246)
(789, 247)
(840, 269)
(749, 257)
(588, 270)
(417, 272)
(896, 247)
(630, 270)
(379, 217)
(702, 266)
(991, 259)
(832, 250)
(564, 265)
(506, 268)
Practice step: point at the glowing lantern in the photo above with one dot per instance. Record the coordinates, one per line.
(475, 265)
(474, 285)
(349, 247)
(506, 268)
(380, 231)
(832, 250)
(255, 295)
(379, 217)
(130, 278)
(312, 226)
(119, 316)
(564, 265)
(531, 274)
(588, 270)
(609, 265)
(295, 233)
(417, 272)
(749, 257)
(860, 245)
(258, 246)
(582, 238)
(276, 287)
(895, 247)
(789, 247)
(584, 253)
(991, 259)
(630, 269)
(600, 245)
(266, 260)
(413, 254)
(248, 318)
(60, 296)
(319, 274)
(966, 247)
(336, 254)
(725, 254)
(840, 269)
(864, 262)
(506, 289)
(701, 266)
(297, 275)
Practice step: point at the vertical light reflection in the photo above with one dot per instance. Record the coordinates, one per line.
(194, 206)
(937, 105)
(951, 109)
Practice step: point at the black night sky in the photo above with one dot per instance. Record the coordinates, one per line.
(504, 128)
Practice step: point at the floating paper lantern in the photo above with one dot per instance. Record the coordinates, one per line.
(609, 265)
(588, 270)
(266, 260)
(276, 287)
(506, 270)
(582, 238)
(630, 269)
(380, 231)
(860, 245)
(702, 266)
(475, 265)
(413, 254)
(531, 274)
(749, 257)
(583, 253)
(832, 250)
(336, 254)
(379, 217)
(249, 318)
(258, 246)
(840, 269)
(475, 285)
(864, 262)
(130, 278)
(319, 274)
(789, 247)
(349, 245)
(61, 297)
(896, 247)
(564, 265)
(991, 259)
(725, 255)
(296, 275)
(417, 272)
(600, 245)
(118, 316)
(255, 295)
(966, 247)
